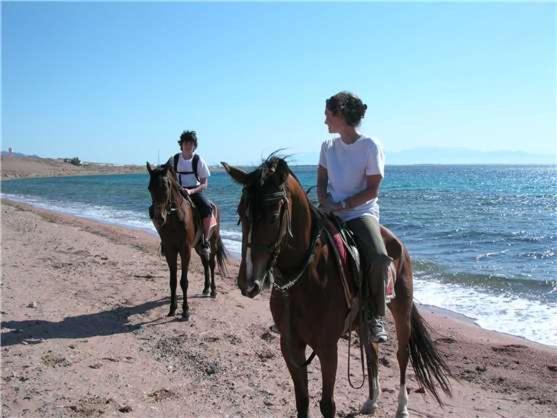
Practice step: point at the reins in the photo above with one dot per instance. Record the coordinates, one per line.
(287, 283)
(174, 197)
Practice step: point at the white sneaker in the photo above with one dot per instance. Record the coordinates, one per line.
(377, 333)
(205, 250)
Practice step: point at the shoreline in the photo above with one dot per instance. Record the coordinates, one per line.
(236, 259)
(85, 332)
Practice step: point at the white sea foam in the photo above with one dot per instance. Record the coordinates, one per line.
(99, 213)
(504, 313)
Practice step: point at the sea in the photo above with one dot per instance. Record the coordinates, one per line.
(483, 239)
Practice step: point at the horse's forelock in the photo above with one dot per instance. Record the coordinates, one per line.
(165, 172)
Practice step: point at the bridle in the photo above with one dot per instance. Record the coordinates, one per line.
(285, 231)
(166, 207)
(283, 213)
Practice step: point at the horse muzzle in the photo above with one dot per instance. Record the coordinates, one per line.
(253, 290)
(258, 285)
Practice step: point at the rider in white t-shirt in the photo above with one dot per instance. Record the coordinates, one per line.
(192, 174)
(351, 167)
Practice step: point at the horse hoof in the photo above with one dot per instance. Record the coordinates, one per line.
(171, 313)
(213, 295)
(402, 414)
(185, 316)
(369, 407)
(205, 292)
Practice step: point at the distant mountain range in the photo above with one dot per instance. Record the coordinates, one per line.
(446, 156)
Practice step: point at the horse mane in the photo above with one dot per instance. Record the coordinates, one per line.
(176, 194)
(273, 168)
(280, 162)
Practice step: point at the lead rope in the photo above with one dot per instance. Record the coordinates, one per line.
(364, 337)
(288, 334)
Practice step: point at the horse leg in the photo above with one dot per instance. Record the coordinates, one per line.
(207, 284)
(401, 315)
(372, 361)
(296, 352)
(185, 256)
(212, 267)
(171, 256)
(328, 358)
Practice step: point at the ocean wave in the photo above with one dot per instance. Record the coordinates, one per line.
(494, 282)
(508, 313)
(104, 214)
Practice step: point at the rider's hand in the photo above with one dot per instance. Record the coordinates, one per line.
(329, 205)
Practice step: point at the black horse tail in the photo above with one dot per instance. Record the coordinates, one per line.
(222, 257)
(428, 364)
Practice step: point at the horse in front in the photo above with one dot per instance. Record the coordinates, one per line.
(284, 243)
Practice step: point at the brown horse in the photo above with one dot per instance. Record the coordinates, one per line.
(174, 217)
(282, 237)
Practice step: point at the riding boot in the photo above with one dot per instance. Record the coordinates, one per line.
(377, 298)
(205, 248)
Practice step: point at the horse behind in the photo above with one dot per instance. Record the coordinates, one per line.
(175, 219)
(283, 238)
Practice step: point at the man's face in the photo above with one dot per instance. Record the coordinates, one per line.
(188, 147)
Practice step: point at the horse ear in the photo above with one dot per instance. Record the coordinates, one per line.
(149, 168)
(238, 175)
(282, 171)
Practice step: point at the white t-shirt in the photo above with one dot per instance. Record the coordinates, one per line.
(347, 167)
(189, 180)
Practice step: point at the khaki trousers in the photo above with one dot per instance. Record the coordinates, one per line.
(374, 259)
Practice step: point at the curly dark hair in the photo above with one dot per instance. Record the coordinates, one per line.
(348, 105)
(188, 136)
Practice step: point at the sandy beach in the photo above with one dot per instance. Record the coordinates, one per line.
(85, 333)
(14, 166)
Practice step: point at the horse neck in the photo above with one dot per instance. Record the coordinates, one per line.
(296, 247)
(179, 200)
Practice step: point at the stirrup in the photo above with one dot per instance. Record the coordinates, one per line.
(205, 248)
(377, 332)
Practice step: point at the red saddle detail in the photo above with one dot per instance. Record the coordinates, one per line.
(342, 253)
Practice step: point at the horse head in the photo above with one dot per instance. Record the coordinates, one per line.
(264, 212)
(161, 183)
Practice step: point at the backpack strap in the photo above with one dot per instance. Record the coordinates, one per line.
(194, 164)
(176, 158)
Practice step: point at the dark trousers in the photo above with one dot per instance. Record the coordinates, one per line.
(200, 201)
(202, 204)
(374, 260)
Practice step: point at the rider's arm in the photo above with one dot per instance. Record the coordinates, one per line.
(370, 192)
(203, 183)
(322, 181)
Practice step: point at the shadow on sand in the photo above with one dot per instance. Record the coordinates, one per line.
(115, 321)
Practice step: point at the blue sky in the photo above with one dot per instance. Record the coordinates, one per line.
(118, 82)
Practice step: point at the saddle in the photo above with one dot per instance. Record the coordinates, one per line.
(347, 256)
(197, 217)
